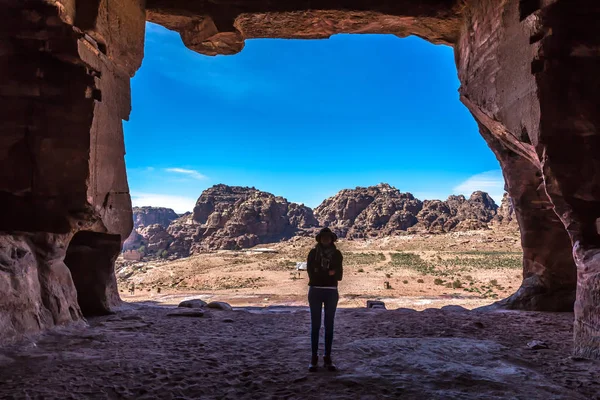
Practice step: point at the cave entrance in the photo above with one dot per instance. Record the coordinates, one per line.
(90, 257)
(314, 89)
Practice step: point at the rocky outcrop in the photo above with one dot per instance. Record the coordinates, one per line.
(383, 210)
(231, 217)
(505, 215)
(145, 216)
(456, 213)
(370, 211)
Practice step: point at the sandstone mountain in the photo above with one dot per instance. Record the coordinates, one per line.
(375, 210)
(383, 210)
(225, 217)
(145, 216)
(233, 217)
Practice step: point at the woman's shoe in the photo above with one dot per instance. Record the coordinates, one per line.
(329, 364)
(313, 366)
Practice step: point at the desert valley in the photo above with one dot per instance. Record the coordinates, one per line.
(243, 246)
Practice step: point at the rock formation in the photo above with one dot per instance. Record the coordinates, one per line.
(505, 215)
(383, 210)
(370, 211)
(528, 73)
(456, 213)
(144, 216)
(231, 217)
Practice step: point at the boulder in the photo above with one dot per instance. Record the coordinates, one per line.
(219, 305)
(193, 303)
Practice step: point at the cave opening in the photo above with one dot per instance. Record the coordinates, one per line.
(356, 105)
(90, 258)
(66, 93)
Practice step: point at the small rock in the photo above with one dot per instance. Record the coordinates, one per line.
(454, 308)
(186, 313)
(228, 320)
(375, 304)
(537, 345)
(194, 303)
(219, 305)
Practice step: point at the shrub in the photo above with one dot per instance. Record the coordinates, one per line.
(457, 284)
(420, 281)
(405, 282)
(438, 281)
(164, 254)
(361, 270)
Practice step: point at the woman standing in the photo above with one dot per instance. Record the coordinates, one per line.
(325, 270)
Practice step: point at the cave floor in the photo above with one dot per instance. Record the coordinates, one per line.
(142, 353)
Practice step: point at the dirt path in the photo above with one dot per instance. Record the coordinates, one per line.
(142, 353)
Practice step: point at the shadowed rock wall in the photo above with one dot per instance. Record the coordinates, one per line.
(64, 91)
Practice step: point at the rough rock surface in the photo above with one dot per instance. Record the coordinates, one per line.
(505, 215)
(231, 217)
(373, 210)
(145, 354)
(383, 210)
(64, 91)
(144, 216)
(456, 213)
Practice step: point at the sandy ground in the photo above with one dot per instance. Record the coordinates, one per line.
(143, 353)
(470, 269)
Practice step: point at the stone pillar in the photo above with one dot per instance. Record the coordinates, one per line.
(529, 75)
(64, 90)
(494, 58)
(549, 275)
(568, 143)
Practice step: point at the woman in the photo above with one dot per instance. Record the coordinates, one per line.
(324, 269)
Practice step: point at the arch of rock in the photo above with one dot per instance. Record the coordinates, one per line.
(528, 72)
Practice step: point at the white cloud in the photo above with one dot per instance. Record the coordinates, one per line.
(180, 204)
(491, 182)
(187, 172)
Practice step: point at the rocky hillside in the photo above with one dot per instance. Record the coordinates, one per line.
(505, 215)
(225, 217)
(145, 216)
(375, 210)
(232, 217)
(383, 210)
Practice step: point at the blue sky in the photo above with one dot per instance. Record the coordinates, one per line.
(302, 119)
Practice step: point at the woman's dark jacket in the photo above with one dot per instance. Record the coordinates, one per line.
(318, 271)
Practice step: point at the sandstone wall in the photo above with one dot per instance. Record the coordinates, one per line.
(64, 89)
(527, 76)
